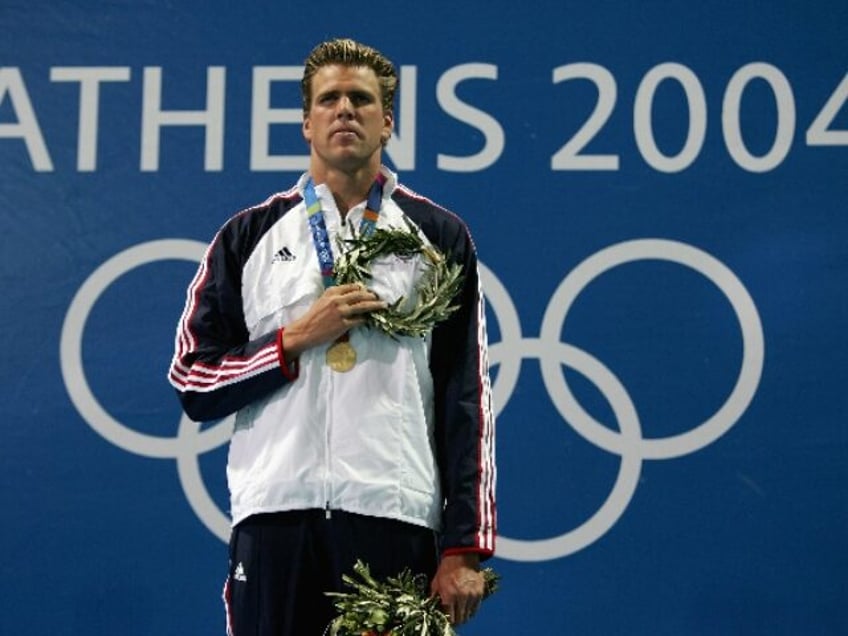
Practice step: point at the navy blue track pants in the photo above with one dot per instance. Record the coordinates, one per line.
(281, 564)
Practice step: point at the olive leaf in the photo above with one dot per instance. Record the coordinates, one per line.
(399, 606)
(435, 292)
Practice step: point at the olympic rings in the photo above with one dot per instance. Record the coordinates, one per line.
(717, 273)
(70, 353)
(628, 442)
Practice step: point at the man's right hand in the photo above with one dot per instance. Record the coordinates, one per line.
(339, 309)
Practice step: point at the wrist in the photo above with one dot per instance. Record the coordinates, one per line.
(293, 340)
(469, 559)
(289, 361)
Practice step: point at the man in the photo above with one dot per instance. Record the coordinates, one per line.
(348, 443)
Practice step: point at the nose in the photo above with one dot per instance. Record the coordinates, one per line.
(344, 107)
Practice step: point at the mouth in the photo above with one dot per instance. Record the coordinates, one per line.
(346, 132)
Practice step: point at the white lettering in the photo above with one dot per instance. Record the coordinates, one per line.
(785, 117)
(20, 120)
(89, 79)
(643, 122)
(819, 132)
(401, 147)
(568, 157)
(27, 127)
(485, 123)
(212, 118)
(263, 116)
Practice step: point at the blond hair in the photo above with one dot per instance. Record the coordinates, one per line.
(347, 52)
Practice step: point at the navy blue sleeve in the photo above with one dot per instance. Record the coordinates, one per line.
(217, 369)
(464, 421)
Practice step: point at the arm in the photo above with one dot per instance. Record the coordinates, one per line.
(216, 368)
(465, 443)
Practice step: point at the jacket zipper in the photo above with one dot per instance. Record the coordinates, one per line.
(327, 424)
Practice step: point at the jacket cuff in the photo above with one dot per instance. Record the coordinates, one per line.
(484, 554)
(291, 371)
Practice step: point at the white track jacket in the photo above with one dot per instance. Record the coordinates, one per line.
(407, 434)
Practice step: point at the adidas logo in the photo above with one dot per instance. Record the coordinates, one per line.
(284, 256)
(239, 574)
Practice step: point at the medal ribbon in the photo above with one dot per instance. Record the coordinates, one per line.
(318, 227)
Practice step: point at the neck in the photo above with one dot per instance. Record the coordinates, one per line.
(348, 188)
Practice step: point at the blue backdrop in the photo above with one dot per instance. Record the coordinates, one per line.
(658, 194)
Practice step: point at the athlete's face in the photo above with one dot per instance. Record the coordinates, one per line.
(346, 124)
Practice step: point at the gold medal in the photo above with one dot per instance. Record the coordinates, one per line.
(341, 356)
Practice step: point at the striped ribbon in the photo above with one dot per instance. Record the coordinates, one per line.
(318, 227)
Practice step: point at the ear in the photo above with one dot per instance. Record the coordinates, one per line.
(307, 128)
(388, 126)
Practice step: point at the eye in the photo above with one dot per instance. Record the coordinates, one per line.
(361, 99)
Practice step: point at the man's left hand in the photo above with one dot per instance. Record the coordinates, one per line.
(460, 586)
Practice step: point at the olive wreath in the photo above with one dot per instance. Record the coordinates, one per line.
(436, 290)
(396, 606)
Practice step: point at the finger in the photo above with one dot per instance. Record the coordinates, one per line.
(461, 617)
(458, 609)
(467, 612)
(449, 608)
(347, 288)
(466, 605)
(359, 296)
(366, 303)
(367, 307)
(363, 305)
(456, 617)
